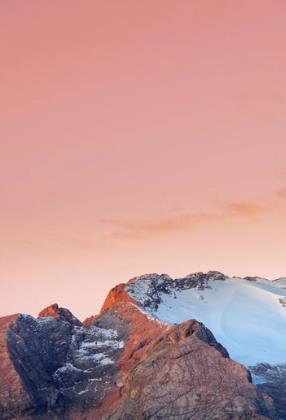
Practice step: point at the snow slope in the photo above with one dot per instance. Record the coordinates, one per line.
(280, 283)
(246, 317)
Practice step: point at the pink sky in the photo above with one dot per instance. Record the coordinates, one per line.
(136, 137)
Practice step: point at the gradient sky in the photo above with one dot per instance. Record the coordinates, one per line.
(135, 137)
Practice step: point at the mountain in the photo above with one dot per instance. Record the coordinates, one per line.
(247, 315)
(202, 347)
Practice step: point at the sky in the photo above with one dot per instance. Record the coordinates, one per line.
(138, 137)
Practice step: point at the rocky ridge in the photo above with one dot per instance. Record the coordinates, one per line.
(123, 363)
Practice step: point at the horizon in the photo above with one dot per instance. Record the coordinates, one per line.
(138, 138)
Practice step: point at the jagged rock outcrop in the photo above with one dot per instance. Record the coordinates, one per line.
(122, 364)
(54, 311)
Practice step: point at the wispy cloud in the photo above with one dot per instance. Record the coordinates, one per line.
(145, 230)
(249, 210)
(119, 229)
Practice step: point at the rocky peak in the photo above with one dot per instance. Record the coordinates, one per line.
(147, 290)
(150, 278)
(54, 311)
(116, 296)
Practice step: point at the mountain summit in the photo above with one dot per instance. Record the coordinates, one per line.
(247, 316)
(205, 346)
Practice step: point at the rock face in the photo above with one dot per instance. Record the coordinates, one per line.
(121, 364)
(13, 397)
(271, 380)
(188, 354)
(60, 365)
(116, 296)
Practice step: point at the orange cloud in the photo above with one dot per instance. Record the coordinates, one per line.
(244, 209)
(144, 230)
(140, 230)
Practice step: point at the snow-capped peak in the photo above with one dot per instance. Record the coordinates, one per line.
(248, 316)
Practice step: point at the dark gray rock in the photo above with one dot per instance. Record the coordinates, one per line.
(271, 380)
(62, 364)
